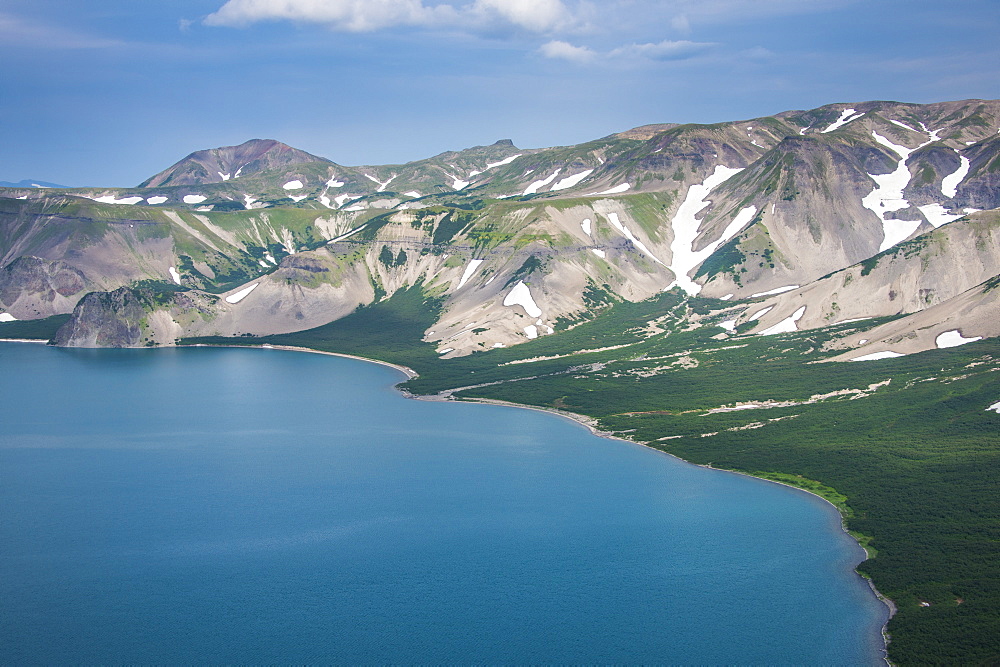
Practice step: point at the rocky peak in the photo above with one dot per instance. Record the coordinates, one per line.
(216, 165)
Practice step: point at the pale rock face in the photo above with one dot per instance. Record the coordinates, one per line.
(956, 257)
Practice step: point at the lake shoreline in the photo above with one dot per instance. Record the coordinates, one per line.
(589, 423)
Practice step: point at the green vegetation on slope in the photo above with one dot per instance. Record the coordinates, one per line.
(904, 447)
(43, 329)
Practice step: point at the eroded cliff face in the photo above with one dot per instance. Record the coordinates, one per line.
(106, 319)
(33, 288)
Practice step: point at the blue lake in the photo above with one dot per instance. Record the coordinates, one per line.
(251, 506)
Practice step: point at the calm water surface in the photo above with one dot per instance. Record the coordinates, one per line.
(225, 505)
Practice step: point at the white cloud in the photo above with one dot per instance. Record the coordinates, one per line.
(566, 51)
(666, 50)
(349, 15)
(539, 16)
(534, 15)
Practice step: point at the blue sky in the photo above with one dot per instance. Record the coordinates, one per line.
(108, 92)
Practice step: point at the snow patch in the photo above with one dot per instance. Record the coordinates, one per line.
(728, 325)
(887, 197)
(842, 121)
(110, 199)
(904, 125)
(469, 270)
(953, 338)
(250, 203)
(194, 199)
(760, 313)
(586, 225)
(297, 199)
(776, 290)
(176, 276)
(7, 317)
(521, 296)
(903, 151)
(356, 207)
(935, 135)
(570, 181)
(242, 294)
(727, 297)
(224, 177)
(995, 407)
(685, 225)
(293, 185)
(334, 183)
(531, 331)
(533, 188)
(270, 258)
(446, 350)
(613, 218)
(874, 356)
(950, 183)
(938, 215)
(786, 325)
(506, 160)
(344, 236)
(600, 253)
(413, 193)
(617, 190)
(381, 185)
(156, 200)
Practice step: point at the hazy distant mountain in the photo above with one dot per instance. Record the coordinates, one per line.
(28, 183)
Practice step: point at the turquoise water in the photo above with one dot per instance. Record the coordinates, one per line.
(226, 505)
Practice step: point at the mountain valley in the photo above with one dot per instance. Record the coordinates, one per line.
(693, 288)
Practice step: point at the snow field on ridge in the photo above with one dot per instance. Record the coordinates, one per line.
(685, 225)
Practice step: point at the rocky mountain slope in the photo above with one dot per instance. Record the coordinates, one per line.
(801, 220)
(221, 164)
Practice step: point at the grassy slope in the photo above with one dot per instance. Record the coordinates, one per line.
(918, 459)
(43, 329)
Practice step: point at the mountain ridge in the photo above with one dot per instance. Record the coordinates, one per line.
(726, 210)
(678, 284)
